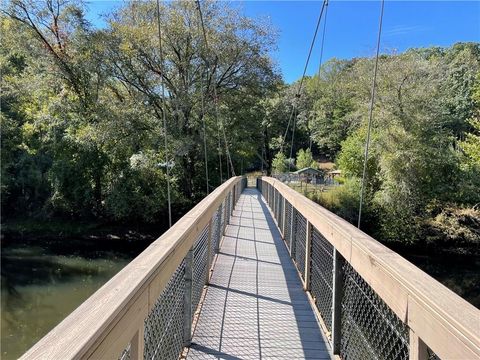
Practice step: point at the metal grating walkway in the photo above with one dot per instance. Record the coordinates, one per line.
(255, 307)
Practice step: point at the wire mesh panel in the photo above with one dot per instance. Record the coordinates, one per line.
(293, 234)
(369, 329)
(200, 267)
(216, 235)
(269, 195)
(321, 276)
(277, 207)
(164, 325)
(280, 212)
(300, 240)
(288, 223)
(227, 205)
(275, 203)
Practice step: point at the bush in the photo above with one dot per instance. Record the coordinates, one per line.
(342, 200)
(454, 226)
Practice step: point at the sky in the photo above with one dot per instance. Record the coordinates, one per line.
(352, 27)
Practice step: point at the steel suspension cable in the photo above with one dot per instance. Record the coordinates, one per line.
(297, 95)
(370, 115)
(202, 100)
(215, 98)
(164, 116)
(293, 137)
(320, 61)
(323, 39)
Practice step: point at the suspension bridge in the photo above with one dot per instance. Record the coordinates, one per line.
(258, 271)
(262, 272)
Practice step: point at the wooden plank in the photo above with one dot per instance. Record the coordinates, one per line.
(438, 335)
(124, 331)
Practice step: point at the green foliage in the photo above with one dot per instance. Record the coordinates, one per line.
(342, 200)
(279, 163)
(81, 116)
(426, 105)
(471, 144)
(305, 159)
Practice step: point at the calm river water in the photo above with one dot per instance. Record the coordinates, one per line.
(43, 284)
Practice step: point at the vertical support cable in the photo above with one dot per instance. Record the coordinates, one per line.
(304, 71)
(215, 98)
(202, 100)
(164, 116)
(293, 137)
(370, 115)
(321, 60)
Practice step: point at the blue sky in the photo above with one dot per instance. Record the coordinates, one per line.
(352, 27)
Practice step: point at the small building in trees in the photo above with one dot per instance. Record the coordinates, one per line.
(309, 175)
(331, 175)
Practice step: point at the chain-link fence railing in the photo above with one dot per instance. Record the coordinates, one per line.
(321, 276)
(369, 329)
(366, 326)
(164, 331)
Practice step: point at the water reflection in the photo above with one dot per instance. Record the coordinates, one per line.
(43, 284)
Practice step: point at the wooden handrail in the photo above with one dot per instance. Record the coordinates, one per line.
(446, 323)
(113, 317)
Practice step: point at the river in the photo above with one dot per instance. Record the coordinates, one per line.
(42, 284)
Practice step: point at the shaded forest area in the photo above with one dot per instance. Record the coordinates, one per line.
(82, 130)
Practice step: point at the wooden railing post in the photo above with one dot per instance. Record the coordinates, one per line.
(308, 252)
(187, 323)
(137, 345)
(283, 217)
(418, 349)
(337, 301)
(209, 251)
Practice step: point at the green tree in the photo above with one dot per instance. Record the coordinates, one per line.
(305, 159)
(279, 163)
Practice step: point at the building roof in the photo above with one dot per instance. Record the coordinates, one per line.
(307, 169)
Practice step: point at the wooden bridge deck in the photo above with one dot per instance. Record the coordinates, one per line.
(255, 307)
